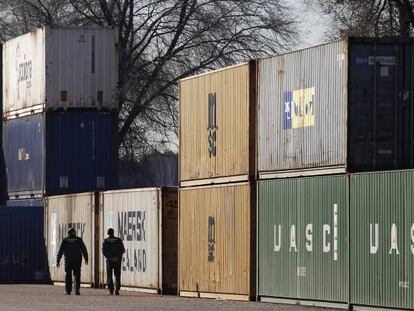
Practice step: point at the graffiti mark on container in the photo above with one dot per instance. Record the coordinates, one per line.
(211, 238)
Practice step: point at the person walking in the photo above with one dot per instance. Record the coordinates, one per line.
(73, 248)
(113, 249)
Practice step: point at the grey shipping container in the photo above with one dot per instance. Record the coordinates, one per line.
(23, 257)
(345, 106)
(57, 153)
(66, 67)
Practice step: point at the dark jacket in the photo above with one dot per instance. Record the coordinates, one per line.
(113, 247)
(73, 248)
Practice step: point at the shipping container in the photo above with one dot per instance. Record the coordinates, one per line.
(345, 106)
(217, 126)
(23, 256)
(382, 239)
(217, 241)
(60, 153)
(303, 240)
(81, 212)
(147, 222)
(3, 178)
(61, 68)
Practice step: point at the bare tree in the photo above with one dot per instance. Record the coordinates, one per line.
(367, 17)
(160, 42)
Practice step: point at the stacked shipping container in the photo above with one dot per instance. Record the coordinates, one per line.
(60, 94)
(145, 219)
(217, 190)
(336, 108)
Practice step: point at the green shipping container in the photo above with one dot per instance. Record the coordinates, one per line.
(382, 239)
(302, 243)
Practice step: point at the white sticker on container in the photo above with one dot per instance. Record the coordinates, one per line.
(382, 60)
(385, 71)
(335, 232)
(53, 239)
(110, 220)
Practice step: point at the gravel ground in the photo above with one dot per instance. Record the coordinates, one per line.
(43, 297)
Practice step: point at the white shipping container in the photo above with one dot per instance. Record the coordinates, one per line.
(61, 68)
(77, 211)
(147, 222)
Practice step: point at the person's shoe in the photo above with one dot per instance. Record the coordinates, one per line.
(77, 293)
(109, 293)
(117, 293)
(67, 294)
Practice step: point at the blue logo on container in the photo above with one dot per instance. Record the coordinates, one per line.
(287, 119)
(299, 108)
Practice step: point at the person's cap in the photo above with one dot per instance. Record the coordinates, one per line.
(70, 230)
(110, 231)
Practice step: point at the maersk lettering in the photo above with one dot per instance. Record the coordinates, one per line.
(131, 225)
(78, 226)
(392, 232)
(329, 237)
(131, 230)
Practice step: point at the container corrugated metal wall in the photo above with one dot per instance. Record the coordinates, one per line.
(143, 218)
(215, 251)
(23, 144)
(61, 152)
(61, 67)
(3, 178)
(302, 109)
(23, 256)
(303, 238)
(215, 124)
(79, 211)
(382, 239)
(344, 106)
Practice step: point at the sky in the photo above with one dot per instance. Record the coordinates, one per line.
(313, 25)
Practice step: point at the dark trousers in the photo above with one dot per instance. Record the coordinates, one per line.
(116, 269)
(75, 268)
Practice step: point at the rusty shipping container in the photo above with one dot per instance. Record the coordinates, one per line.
(79, 211)
(217, 241)
(382, 240)
(303, 238)
(345, 106)
(217, 126)
(50, 68)
(147, 222)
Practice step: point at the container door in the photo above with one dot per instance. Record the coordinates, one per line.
(81, 152)
(376, 107)
(24, 156)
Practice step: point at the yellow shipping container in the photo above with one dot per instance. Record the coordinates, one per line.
(217, 126)
(217, 241)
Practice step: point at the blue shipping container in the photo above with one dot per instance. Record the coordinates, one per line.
(60, 152)
(23, 257)
(3, 185)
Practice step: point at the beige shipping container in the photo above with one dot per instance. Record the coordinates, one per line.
(79, 211)
(217, 126)
(52, 68)
(217, 241)
(147, 222)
